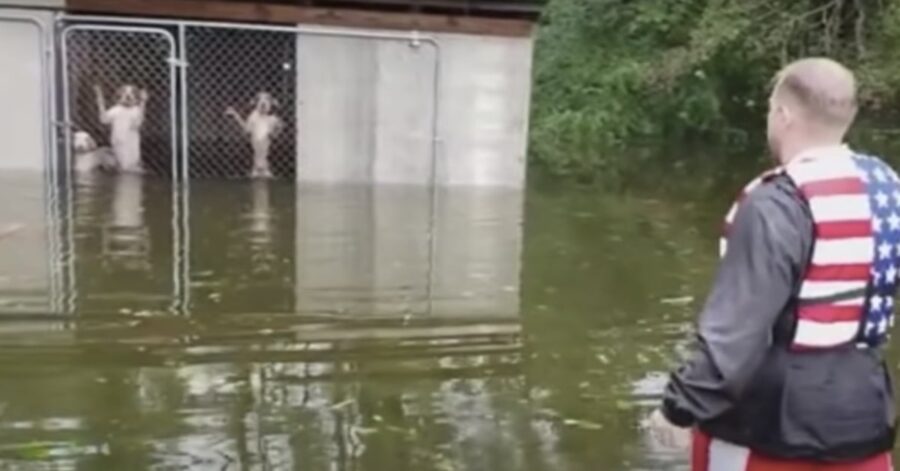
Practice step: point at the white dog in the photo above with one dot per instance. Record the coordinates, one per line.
(262, 126)
(125, 119)
(89, 157)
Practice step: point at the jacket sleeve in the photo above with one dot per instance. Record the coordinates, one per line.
(767, 250)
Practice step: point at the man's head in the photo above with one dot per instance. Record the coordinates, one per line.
(813, 103)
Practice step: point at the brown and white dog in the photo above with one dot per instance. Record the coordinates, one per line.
(89, 157)
(125, 119)
(262, 125)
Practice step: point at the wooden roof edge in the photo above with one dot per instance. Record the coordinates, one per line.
(245, 11)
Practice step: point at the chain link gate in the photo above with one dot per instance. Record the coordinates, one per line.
(228, 69)
(103, 58)
(98, 60)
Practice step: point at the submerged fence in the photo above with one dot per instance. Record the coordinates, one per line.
(206, 100)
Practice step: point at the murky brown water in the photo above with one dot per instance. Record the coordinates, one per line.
(259, 326)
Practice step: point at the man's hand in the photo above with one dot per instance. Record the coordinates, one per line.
(667, 434)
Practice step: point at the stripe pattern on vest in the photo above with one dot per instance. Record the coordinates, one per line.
(852, 218)
(832, 295)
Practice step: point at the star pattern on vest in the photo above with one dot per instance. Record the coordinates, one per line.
(883, 189)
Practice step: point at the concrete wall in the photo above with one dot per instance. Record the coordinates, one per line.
(335, 108)
(485, 98)
(365, 109)
(22, 86)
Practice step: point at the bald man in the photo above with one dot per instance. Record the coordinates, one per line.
(788, 371)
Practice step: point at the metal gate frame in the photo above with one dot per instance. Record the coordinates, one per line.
(173, 82)
(66, 29)
(181, 222)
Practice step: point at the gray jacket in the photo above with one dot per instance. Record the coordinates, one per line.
(742, 384)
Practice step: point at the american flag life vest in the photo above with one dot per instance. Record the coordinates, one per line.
(847, 294)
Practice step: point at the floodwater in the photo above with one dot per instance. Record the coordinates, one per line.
(240, 325)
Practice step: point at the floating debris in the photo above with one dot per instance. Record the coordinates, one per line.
(357, 430)
(622, 404)
(342, 404)
(583, 424)
(678, 301)
(46, 450)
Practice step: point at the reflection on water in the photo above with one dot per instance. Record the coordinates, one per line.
(262, 326)
(126, 239)
(376, 252)
(28, 246)
(119, 246)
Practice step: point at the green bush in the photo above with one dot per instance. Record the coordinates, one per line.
(615, 75)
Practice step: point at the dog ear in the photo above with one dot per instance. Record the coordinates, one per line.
(276, 103)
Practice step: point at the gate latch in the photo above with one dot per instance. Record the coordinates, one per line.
(415, 41)
(177, 62)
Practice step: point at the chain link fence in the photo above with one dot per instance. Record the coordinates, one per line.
(228, 69)
(109, 58)
(369, 101)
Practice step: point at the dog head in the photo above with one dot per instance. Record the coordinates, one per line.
(264, 103)
(128, 95)
(84, 142)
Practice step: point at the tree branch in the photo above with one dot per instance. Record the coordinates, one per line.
(859, 28)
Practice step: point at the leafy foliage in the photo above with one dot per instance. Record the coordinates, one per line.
(625, 74)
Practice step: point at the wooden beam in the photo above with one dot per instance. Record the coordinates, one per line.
(218, 10)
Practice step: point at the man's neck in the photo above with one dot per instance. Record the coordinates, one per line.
(821, 148)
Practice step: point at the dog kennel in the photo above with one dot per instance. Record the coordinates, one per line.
(193, 74)
(196, 71)
(425, 92)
